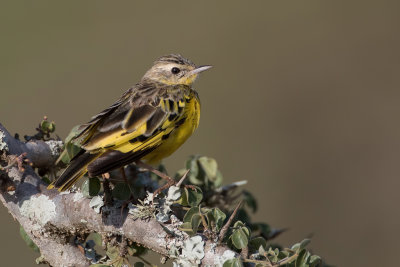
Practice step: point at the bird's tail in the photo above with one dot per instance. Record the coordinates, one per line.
(76, 169)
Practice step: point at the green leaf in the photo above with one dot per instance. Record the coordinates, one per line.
(113, 252)
(239, 238)
(138, 264)
(192, 220)
(256, 242)
(91, 187)
(232, 263)
(215, 218)
(47, 127)
(299, 246)
(96, 237)
(187, 227)
(75, 131)
(314, 260)
(136, 250)
(195, 222)
(121, 191)
(28, 240)
(238, 224)
(217, 180)
(209, 166)
(191, 164)
(189, 214)
(70, 149)
(301, 260)
(246, 231)
(191, 197)
(304, 243)
(94, 186)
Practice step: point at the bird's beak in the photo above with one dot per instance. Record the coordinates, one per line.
(200, 69)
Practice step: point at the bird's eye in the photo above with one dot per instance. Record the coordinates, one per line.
(175, 70)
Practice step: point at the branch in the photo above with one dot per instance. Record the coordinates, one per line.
(52, 220)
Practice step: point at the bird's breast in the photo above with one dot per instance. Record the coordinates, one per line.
(184, 129)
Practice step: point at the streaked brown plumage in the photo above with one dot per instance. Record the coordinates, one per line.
(149, 122)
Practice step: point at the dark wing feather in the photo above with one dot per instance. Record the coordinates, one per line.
(137, 116)
(88, 129)
(114, 159)
(134, 107)
(161, 123)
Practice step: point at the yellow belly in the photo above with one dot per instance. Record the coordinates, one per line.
(178, 136)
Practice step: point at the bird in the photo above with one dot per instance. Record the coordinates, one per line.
(149, 122)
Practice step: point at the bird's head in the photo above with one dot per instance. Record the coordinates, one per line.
(174, 70)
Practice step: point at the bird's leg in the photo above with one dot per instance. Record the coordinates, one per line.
(107, 189)
(170, 181)
(155, 171)
(123, 174)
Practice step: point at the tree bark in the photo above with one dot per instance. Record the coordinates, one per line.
(52, 219)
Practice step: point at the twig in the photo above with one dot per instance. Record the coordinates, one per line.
(155, 171)
(225, 228)
(178, 184)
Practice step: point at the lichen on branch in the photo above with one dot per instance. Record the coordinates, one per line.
(192, 223)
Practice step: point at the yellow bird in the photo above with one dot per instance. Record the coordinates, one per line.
(149, 122)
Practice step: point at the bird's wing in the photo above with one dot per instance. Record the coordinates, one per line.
(137, 121)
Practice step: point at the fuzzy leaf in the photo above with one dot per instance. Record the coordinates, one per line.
(70, 149)
(239, 238)
(191, 197)
(232, 263)
(315, 260)
(209, 166)
(238, 224)
(299, 246)
(191, 164)
(301, 260)
(215, 218)
(217, 180)
(113, 253)
(189, 214)
(191, 221)
(187, 227)
(195, 222)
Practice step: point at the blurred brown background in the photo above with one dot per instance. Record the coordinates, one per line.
(303, 102)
